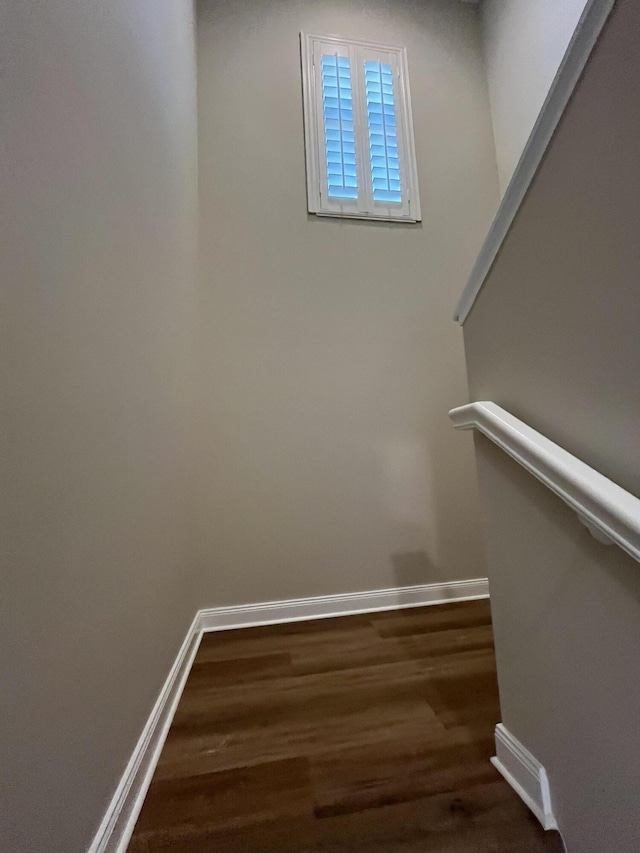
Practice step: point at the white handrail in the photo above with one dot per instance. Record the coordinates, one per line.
(610, 512)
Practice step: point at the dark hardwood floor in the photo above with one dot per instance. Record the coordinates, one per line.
(363, 734)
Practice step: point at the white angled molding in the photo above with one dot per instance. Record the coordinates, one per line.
(610, 513)
(348, 604)
(525, 774)
(114, 833)
(589, 27)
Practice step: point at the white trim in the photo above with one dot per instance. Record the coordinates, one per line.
(326, 606)
(525, 774)
(611, 513)
(116, 828)
(364, 207)
(584, 38)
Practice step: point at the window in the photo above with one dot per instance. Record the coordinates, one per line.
(359, 146)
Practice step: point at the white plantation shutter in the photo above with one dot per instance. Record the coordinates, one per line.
(358, 130)
(384, 157)
(339, 135)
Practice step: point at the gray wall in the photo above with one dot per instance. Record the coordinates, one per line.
(524, 43)
(329, 359)
(98, 141)
(553, 338)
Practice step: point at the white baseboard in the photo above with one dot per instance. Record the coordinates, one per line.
(116, 828)
(525, 774)
(347, 604)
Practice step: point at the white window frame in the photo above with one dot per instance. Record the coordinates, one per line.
(364, 207)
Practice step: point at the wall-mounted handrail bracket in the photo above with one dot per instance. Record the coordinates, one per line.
(595, 531)
(609, 512)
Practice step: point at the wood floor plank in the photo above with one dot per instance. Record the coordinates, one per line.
(478, 819)
(323, 652)
(283, 634)
(465, 699)
(367, 733)
(403, 770)
(319, 729)
(449, 641)
(418, 621)
(242, 670)
(308, 696)
(226, 800)
(486, 818)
